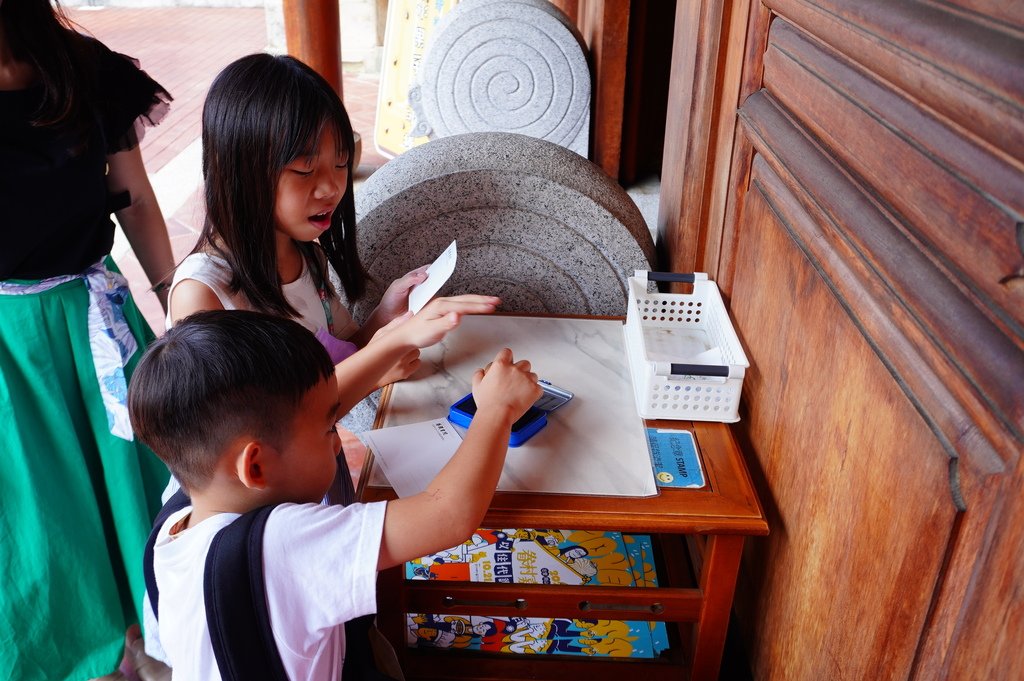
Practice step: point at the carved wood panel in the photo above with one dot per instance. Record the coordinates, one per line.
(857, 484)
(869, 249)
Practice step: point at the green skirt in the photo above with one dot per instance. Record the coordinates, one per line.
(76, 503)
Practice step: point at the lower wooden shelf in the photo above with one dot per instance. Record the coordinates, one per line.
(694, 598)
(676, 601)
(424, 665)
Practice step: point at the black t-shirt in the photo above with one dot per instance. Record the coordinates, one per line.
(54, 207)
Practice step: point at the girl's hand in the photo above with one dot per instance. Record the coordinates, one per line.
(387, 328)
(395, 300)
(437, 318)
(394, 351)
(403, 369)
(392, 306)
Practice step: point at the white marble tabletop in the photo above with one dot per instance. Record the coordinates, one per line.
(595, 445)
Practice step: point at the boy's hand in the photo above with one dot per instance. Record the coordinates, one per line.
(506, 385)
(454, 502)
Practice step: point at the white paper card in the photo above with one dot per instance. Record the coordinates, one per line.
(412, 455)
(437, 274)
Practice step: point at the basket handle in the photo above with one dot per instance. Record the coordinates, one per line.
(721, 370)
(676, 277)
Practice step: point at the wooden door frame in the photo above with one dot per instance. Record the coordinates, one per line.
(704, 93)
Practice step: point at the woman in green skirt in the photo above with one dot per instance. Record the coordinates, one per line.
(77, 491)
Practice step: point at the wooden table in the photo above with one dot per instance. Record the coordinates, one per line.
(715, 520)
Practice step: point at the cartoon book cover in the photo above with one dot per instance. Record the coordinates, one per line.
(641, 561)
(526, 556)
(532, 635)
(640, 553)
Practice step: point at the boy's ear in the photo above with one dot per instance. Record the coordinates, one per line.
(251, 464)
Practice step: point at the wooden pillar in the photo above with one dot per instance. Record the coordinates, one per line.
(312, 31)
(571, 9)
(604, 25)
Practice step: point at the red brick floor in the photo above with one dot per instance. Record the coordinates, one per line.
(184, 48)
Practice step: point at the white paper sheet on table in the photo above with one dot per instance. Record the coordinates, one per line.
(412, 455)
(437, 274)
(594, 445)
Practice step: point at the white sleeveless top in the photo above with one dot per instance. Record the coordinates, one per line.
(301, 294)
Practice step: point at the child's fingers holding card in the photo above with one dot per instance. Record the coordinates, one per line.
(437, 274)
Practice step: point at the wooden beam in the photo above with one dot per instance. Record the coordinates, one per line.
(688, 127)
(704, 93)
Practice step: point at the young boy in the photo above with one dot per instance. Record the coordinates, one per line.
(241, 406)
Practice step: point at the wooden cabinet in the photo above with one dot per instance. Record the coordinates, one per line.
(716, 519)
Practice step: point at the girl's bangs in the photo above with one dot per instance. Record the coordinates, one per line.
(303, 138)
(307, 133)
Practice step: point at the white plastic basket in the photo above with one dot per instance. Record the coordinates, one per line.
(684, 356)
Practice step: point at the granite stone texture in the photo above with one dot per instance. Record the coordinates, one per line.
(505, 65)
(536, 224)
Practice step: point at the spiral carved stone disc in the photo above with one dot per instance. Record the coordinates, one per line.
(536, 224)
(505, 65)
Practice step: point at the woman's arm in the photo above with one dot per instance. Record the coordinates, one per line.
(142, 221)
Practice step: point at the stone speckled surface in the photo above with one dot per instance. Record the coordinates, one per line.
(505, 65)
(536, 224)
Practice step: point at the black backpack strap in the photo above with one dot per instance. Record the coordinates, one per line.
(236, 602)
(342, 492)
(359, 663)
(178, 501)
(234, 589)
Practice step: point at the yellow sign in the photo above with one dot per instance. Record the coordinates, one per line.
(410, 24)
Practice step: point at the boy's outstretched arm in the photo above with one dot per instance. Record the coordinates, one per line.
(454, 503)
(360, 374)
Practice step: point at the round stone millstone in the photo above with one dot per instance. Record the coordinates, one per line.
(536, 224)
(505, 65)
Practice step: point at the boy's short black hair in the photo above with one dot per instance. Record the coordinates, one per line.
(217, 375)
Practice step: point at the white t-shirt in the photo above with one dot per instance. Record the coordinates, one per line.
(301, 294)
(320, 569)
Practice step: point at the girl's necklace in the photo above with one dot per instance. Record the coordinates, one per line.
(308, 258)
(322, 292)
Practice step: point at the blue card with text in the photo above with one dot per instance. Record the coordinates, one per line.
(674, 458)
